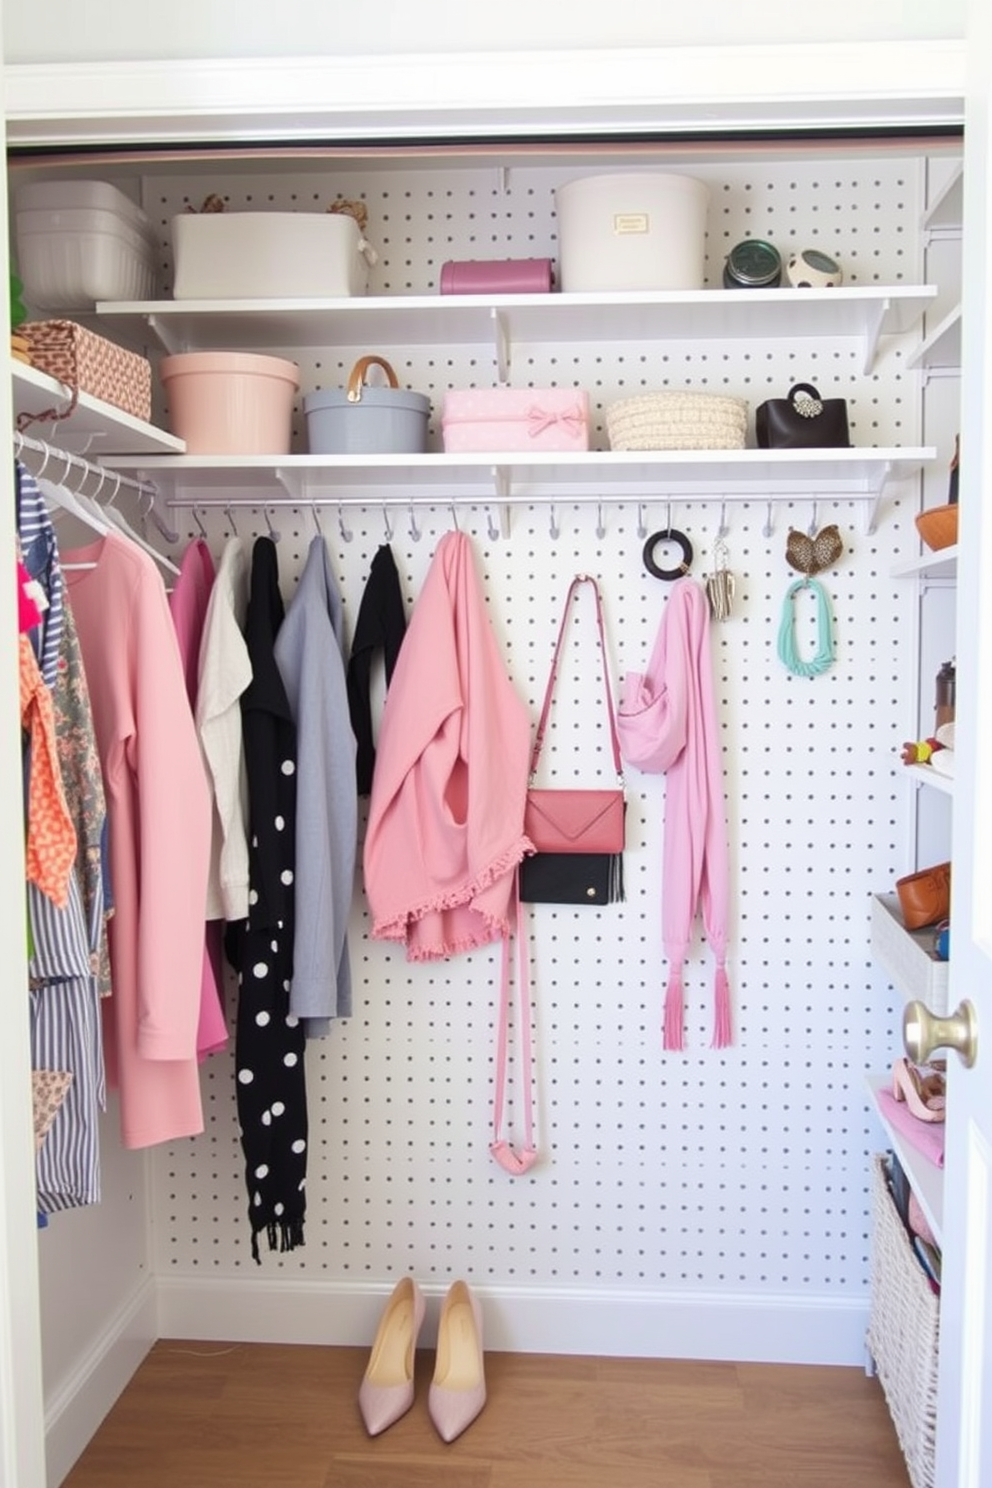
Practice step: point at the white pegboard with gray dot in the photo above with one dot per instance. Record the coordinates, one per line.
(743, 1168)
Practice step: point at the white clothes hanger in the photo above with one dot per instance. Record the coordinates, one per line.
(61, 494)
(118, 522)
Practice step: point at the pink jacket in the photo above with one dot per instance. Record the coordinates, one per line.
(445, 829)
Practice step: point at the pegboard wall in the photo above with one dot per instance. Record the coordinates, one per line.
(743, 1170)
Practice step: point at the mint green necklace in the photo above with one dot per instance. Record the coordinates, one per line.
(787, 652)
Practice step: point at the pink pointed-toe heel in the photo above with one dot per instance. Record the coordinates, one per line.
(919, 1093)
(458, 1389)
(386, 1391)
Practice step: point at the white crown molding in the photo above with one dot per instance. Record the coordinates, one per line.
(479, 96)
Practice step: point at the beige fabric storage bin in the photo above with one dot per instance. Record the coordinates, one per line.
(903, 1333)
(637, 230)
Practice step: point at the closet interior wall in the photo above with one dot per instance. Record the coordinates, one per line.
(704, 1188)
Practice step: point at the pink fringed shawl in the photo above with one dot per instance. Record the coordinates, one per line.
(667, 723)
(445, 829)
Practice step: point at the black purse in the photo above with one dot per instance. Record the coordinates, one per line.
(579, 834)
(803, 420)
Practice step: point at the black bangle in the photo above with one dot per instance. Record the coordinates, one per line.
(671, 534)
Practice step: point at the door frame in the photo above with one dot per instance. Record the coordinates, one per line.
(616, 96)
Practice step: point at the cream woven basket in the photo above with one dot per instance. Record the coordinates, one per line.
(654, 421)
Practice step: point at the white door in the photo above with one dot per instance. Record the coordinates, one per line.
(964, 1430)
(22, 1443)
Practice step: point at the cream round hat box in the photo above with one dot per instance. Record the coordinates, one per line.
(643, 230)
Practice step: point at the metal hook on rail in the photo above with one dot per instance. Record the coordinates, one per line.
(414, 529)
(274, 536)
(554, 529)
(600, 529)
(230, 519)
(642, 529)
(316, 518)
(769, 528)
(492, 526)
(723, 529)
(812, 529)
(387, 523)
(346, 532)
(199, 524)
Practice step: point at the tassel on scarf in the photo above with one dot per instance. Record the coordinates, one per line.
(723, 1034)
(282, 1235)
(674, 1012)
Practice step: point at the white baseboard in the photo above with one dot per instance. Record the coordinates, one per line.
(76, 1408)
(623, 1324)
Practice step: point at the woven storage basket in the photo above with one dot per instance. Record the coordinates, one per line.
(88, 363)
(903, 1333)
(938, 527)
(654, 421)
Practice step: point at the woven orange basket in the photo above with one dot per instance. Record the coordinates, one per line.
(938, 527)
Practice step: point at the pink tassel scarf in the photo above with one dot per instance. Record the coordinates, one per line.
(667, 724)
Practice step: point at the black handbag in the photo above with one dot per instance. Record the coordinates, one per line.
(579, 834)
(803, 420)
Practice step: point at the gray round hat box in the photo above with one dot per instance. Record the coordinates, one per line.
(364, 420)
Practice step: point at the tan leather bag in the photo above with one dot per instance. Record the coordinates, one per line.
(925, 896)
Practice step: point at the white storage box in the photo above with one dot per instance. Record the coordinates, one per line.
(82, 241)
(269, 256)
(644, 230)
(908, 956)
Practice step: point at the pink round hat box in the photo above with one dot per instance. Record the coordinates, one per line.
(231, 402)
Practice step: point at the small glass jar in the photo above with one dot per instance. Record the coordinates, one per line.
(753, 264)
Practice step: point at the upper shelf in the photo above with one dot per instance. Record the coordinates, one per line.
(502, 321)
(94, 428)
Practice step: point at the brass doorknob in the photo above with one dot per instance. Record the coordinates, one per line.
(923, 1032)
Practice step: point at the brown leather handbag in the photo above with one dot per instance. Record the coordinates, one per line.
(925, 896)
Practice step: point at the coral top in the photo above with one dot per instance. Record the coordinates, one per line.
(158, 806)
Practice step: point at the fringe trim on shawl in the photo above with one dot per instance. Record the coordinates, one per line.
(674, 1012)
(283, 1235)
(723, 1033)
(397, 926)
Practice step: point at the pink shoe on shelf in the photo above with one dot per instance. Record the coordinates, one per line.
(458, 1389)
(918, 1091)
(386, 1391)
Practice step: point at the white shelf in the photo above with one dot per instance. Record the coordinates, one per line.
(927, 776)
(941, 349)
(93, 429)
(942, 564)
(502, 321)
(728, 475)
(925, 1178)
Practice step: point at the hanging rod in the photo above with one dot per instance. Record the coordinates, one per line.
(24, 444)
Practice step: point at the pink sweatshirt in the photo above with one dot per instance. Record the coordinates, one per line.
(158, 807)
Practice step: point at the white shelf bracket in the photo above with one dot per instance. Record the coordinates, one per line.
(293, 482)
(874, 500)
(167, 336)
(501, 345)
(873, 329)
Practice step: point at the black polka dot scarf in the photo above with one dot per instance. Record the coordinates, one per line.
(270, 1041)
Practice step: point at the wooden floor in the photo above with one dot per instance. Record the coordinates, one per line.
(260, 1416)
